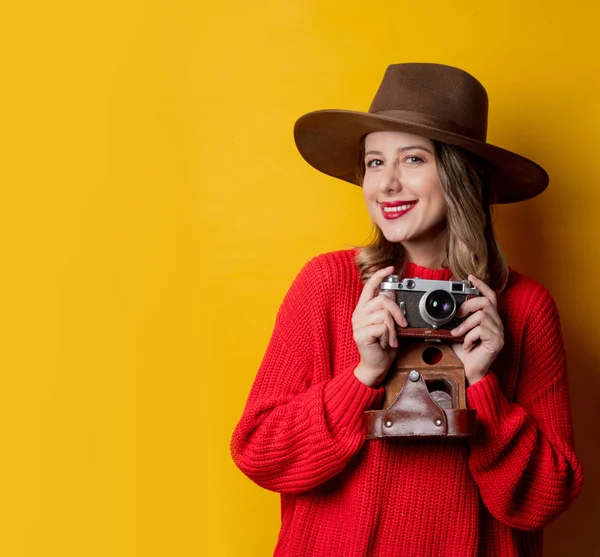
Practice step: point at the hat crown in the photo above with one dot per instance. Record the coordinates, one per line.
(441, 96)
(435, 101)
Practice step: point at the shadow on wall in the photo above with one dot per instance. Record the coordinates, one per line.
(521, 233)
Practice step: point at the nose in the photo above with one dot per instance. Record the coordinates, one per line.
(390, 181)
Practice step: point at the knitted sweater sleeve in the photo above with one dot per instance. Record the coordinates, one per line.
(302, 423)
(523, 458)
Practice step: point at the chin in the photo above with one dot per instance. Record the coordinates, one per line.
(394, 236)
(403, 233)
(401, 237)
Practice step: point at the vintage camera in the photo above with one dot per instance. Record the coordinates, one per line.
(429, 304)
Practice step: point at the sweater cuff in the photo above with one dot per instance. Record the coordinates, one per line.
(488, 400)
(346, 398)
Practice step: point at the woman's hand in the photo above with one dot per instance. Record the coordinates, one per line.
(374, 326)
(483, 330)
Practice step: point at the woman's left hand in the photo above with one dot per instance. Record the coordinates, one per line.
(483, 332)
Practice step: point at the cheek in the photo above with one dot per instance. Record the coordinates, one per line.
(437, 201)
(443, 211)
(370, 200)
(441, 208)
(437, 196)
(369, 191)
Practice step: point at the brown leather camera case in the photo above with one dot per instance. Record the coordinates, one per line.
(423, 369)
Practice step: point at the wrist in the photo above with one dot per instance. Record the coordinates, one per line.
(472, 379)
(369, 377)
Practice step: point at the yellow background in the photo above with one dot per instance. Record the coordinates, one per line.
(155, 210)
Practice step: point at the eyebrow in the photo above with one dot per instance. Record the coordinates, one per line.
(402, 150)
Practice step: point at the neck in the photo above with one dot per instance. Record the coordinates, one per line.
(430, 254)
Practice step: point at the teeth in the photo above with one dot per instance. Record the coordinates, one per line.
(398, 208)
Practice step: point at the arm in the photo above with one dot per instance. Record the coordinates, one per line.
(300, 427)
(522, 457)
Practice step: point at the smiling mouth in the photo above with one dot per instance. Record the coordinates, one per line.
(396, 210)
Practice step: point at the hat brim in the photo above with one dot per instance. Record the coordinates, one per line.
(330, 141)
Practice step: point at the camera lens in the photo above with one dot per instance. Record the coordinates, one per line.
(440, 304)
(438, 307)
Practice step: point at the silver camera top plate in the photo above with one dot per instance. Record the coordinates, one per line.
(393, 282)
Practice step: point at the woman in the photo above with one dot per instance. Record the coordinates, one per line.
(428, 179)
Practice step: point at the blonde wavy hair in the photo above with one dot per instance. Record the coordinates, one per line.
(471, 246)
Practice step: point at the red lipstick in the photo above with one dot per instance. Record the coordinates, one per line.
(395, 209)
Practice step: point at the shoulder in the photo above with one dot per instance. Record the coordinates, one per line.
(526, 299)
(523, 289)
(328, 269)
(323, 277)
(533, 323)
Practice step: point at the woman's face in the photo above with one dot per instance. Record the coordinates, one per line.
(402, 188)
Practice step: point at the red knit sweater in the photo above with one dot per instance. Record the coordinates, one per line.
(302, 435)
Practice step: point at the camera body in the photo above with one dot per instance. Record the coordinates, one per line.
(429, 304)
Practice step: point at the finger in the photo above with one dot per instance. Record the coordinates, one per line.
(395, 311)
(478, 318)
(490, 340)
(470, 339)
(478, 304)
(371, 287)
(377, 317)
(371, 334)
(384, 339)
(389, 305)
(383, 317)
(473, 305)
(484, 289)
(392, 336)
(468, 324)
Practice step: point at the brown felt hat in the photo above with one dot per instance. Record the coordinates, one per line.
(430, 100)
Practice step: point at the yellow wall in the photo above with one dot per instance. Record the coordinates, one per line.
(155, 210)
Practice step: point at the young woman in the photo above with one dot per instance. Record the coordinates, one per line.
(428, 178)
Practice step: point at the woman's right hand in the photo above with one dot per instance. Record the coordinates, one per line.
(374, 326)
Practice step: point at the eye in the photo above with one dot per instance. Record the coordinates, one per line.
(373, 163)
(413, 159)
